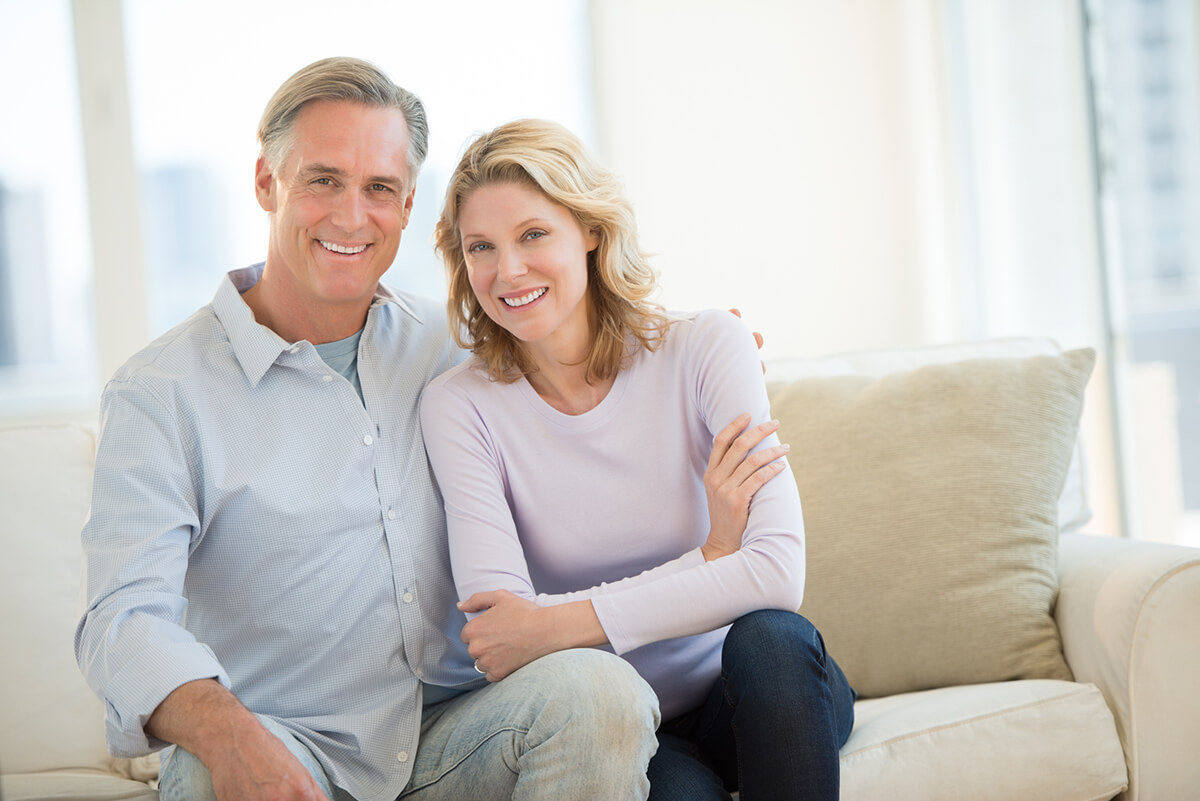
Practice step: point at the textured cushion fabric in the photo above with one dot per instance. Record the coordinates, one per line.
(1074, 506)
(930, 505)
(1033, 740)
(81, 786)
(51, 719)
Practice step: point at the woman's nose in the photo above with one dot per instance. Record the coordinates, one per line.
(510, 265)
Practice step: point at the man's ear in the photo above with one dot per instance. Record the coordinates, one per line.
(264, 184)
(408, 207)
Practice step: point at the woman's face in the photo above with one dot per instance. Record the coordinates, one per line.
(527, 262)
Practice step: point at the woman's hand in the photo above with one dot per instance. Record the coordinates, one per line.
(513, 631)
(733, 477)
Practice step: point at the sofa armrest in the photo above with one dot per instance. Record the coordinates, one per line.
(1129, 616)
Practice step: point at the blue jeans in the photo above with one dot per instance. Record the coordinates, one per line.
(571, 725)
(772, 725)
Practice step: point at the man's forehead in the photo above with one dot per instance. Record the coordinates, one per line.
(346, 137)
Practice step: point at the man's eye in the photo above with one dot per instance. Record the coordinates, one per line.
(381, 188)
(323, 181)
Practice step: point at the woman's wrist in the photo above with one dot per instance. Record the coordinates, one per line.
(576, 625)
(713, 552)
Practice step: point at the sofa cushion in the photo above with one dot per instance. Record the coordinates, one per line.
(1074, 506)
(81, 786)
(1052, 740)
(52, 719)
(930, 503)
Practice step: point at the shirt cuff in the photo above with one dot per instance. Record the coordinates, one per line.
(140, 686)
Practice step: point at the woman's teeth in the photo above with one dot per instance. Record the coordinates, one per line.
(524, 299)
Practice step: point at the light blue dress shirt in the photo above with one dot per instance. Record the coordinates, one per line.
(255, 521)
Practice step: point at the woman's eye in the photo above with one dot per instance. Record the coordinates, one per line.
(478, 247)
(535, 234)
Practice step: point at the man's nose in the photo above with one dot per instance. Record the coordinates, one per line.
(350, 212)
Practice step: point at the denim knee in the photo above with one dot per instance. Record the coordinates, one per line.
(601, 686)
(770, 640)
(772, 655)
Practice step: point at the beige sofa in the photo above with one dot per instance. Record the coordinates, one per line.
(945, 715)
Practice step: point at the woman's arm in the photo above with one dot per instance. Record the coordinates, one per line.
(508, 632)
(688, 594)
(722, 367)
(511, 624)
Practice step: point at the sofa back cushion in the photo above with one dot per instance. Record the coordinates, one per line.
(51, 718)
(931, 504)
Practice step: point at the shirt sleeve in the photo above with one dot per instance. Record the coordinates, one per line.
(687, 594)
(485, 549)
(144, 520)
(722, 362)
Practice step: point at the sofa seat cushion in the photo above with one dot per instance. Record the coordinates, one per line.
(62, 785)
(1034, 739)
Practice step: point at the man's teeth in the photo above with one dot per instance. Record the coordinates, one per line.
(336, 248)
(524, 299)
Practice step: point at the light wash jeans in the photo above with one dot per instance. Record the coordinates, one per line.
(572, 725)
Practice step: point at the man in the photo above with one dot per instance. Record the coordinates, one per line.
(269, 586)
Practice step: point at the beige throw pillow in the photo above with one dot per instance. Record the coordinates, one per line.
(930, 505)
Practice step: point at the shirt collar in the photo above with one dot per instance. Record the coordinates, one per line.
(256, 346)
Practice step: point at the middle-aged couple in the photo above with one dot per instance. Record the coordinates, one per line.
(305, 490)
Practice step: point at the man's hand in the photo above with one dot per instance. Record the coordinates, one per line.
(247, 762)
(758, 338)
(512, 632)
(259, 766)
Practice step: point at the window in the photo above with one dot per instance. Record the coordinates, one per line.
(196, 101)
(47, 360)
(197, 78)
(1145, 65)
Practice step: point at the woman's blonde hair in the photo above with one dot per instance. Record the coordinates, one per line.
(550, 158)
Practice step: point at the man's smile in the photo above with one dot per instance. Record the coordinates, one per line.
(345, 249)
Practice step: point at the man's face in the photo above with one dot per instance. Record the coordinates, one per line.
(338, 203)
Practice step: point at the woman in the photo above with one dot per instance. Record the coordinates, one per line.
(587, 500)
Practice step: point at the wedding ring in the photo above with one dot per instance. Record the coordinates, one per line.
(477, 670)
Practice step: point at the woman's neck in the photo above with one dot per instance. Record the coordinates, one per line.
(565, 387)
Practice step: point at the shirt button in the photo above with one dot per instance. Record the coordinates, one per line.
(391, 514)
(327, 378)
(294, 349)
(407, 597)
(402, 756)
(367, 440)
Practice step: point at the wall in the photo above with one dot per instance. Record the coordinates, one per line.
(768, 149)
(866, 174)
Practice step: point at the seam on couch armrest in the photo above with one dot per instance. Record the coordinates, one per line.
(1134, 749)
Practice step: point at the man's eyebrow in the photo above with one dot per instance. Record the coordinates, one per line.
(324, 169)
(319, 169)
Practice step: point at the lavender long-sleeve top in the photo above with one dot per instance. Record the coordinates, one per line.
(610, 506)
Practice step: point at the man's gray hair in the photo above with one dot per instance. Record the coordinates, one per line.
(340, 79)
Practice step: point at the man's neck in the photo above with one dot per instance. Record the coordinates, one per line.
(295, 320)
